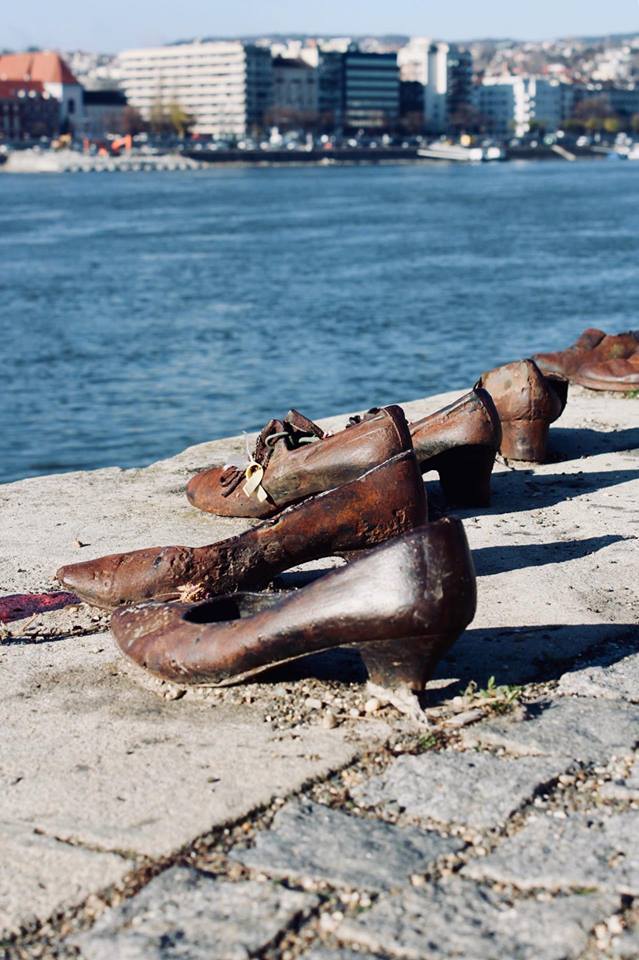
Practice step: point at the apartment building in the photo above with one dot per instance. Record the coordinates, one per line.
(511, 105)
(225, 85)
(449, 85)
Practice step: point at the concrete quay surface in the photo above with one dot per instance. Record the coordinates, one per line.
(299, 816)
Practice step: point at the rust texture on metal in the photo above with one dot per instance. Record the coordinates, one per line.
(592, 347)
(403, 604)
(381, 504)
(294, 469)
(460, 442)
(527, 402)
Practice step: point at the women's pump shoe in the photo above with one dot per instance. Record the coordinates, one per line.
(527, 403)
(403, 605)
(593, 346)
(460, 442)
(294, 459)
(381, 504)
(616, 375)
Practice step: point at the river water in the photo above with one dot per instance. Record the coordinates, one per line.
(141, 313)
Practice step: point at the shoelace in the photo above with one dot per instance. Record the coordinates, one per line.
(297, 431)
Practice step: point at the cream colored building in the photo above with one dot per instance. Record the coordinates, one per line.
(225, 85)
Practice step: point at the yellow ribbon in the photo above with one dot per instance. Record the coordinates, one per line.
(253, 486)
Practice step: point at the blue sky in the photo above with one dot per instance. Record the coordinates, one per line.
(114, 24)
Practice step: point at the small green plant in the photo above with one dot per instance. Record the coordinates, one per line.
(427, 742)
(499, 697)
(631, 395)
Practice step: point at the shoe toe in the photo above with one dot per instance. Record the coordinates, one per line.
(92, 581)
(205, 491)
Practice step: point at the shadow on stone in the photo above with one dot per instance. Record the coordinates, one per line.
(503, 559)
(520, 490)
(570, 444)
(520, 655)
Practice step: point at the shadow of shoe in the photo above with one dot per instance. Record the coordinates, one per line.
(516, 491)
(569, 444)
(492, 560)
(519, 655)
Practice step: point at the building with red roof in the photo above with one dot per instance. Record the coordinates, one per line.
(27, 111)
(49, 69)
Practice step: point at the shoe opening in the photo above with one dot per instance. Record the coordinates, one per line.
(236, 607)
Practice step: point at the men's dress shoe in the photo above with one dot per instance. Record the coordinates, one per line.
(527, 403)
(384, 502)
(294, 459)
(460, 442)
(618, 375)
(593, 346)
(403, 604)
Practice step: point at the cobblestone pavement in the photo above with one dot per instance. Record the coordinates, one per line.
(303, 817)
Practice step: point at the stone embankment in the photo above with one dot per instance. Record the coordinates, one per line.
(70, 161)
(301, 817)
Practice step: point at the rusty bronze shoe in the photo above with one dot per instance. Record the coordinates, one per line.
(593, 346)
(460, 442)
(384, 502)
(527, 403)
(615, 375)
(294, 459)
(403, 604)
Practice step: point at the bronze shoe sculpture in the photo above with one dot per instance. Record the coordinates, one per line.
(527, 403)
(384, 502)
(593, 346)
(403, 604)
(460, 442)
(616, 375)
(294, 459)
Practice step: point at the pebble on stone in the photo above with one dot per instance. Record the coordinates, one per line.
(458, 919)
(583, 729)
(584, 850)
(626, 788)
(189, 915)
(473, 789)
(314, 842)
(613, 681)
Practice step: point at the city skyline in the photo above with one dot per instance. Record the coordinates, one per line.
(71, 24)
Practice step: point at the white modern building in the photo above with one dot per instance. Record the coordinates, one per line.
(510, 105)
(225, 85)
(412, 60)
(449, 84)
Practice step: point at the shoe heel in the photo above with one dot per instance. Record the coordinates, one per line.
(464, 474)
(406, 664)
(524, 440)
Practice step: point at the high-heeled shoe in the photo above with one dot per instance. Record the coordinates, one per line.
(593, 346)
(294, 459)
(403, 605)
(460, 442)
(381, 504)
(527, 403)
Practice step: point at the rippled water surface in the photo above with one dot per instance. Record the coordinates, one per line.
(140, 313)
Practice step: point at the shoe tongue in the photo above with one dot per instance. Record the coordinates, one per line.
(302, 424)
(262, 450)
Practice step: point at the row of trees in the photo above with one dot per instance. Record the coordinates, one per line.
(593, 115)
(165, 120)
